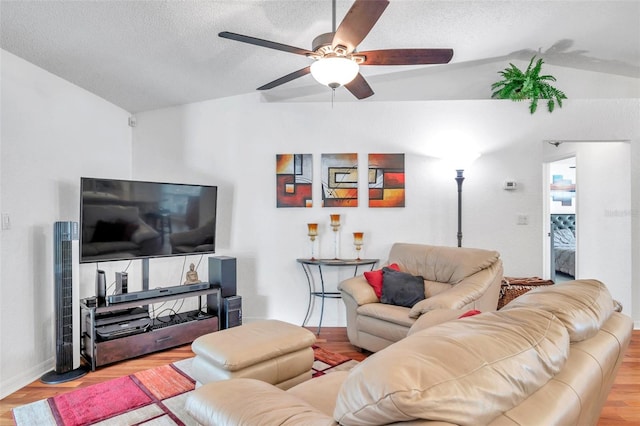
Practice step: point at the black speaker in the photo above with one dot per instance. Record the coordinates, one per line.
(231, 312)
(222, 271)
(101, 287)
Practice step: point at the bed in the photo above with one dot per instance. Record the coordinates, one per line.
(563, 243)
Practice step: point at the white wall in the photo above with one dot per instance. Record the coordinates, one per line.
(233, 142)
(52, 133)
(603, 216)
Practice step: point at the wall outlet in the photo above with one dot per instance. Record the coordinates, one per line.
(523, 219)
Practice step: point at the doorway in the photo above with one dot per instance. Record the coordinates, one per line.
(602, 210)
(563, 220)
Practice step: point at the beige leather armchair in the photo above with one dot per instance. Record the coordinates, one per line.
(456, 280)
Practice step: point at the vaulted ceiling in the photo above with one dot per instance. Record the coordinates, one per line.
(144, 55)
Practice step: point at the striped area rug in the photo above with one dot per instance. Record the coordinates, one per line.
(150, 397)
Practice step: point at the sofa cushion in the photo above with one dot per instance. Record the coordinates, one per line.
(400, 288)
(582, 305)
(441, 264)
(324, 401)
(250, 402)
(374, 278)
(486, 377)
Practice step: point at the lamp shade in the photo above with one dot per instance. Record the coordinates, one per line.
(463, 160)
(459, 160)
(334, 71)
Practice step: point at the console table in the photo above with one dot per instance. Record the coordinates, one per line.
(322, 294)
(163, 332)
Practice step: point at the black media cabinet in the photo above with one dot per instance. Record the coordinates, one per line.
(163, 332)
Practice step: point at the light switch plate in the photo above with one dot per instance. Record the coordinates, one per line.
(6, 221)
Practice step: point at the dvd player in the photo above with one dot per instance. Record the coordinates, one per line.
(113, 299)
(121, 315)
(125, 328)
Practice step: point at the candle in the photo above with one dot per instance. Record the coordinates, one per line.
(313, 230)
(357, 238)
(335, 220)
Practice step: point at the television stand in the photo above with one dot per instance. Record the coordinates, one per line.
(157, 334)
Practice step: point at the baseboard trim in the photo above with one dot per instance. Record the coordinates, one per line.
(14, 384)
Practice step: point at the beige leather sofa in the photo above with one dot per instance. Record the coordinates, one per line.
(454, 278)
(547, 358)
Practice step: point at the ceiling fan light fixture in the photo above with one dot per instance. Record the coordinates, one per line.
(334, 71)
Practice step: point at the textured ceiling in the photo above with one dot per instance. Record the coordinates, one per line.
(144, 55)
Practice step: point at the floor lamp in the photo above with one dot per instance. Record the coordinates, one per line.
(459, 180)
(460, 163)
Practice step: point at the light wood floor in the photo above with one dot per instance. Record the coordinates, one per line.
(622, 406)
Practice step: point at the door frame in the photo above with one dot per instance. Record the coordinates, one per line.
(547, 273)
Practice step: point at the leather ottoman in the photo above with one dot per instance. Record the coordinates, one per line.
(273, 351)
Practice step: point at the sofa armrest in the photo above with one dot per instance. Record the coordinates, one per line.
(218, 403)
(463, 293)
(359, 289)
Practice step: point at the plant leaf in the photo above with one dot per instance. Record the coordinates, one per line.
(517, 85)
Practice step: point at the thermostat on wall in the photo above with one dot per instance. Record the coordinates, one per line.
(510, 184)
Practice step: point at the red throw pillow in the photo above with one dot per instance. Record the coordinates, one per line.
(470, 313)
(374, 278)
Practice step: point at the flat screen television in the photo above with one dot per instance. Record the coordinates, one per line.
(127, 219)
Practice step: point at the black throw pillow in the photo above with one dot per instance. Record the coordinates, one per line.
(400, 288)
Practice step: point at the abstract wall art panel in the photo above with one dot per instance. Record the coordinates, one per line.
(294, 180)
(339, 180)
(386, 180)
(563, 190)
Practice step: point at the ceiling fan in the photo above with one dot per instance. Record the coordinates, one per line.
(336, 59)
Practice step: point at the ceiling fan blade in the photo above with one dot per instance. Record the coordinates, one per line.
(355, 26)
(359, 87)
(406, 56)
(265, 43)
(287, 78)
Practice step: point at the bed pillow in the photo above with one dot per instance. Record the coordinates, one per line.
(564, 237)
(400, 288)
(374, 278)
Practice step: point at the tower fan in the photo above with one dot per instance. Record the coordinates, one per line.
(66, 305)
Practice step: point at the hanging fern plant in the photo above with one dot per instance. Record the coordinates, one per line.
(518, 86)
